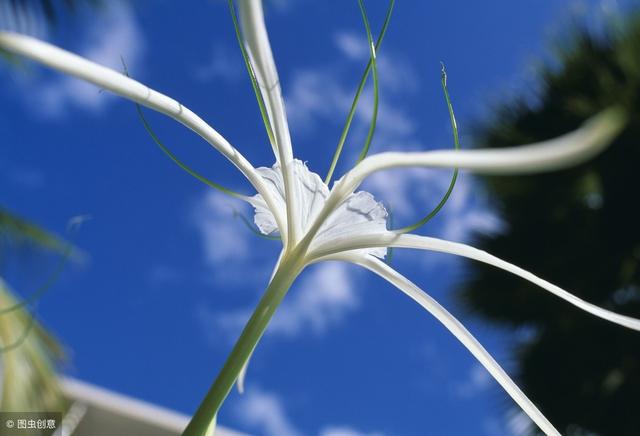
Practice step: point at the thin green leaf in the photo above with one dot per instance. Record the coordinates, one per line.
(42, 289)
(4, 348)
(21, 228)
(33, 348)
(356, 98)
(454, 178)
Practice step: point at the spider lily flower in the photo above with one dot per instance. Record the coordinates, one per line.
(317, 223)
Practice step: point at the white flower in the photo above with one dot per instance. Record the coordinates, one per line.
(316, 223)
(358, 215)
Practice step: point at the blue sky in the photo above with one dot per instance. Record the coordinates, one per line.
(169, 275)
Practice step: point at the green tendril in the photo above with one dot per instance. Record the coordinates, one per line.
(250, 226)
(454, 178)
(172, 156)
(181, 164)
(376, 96)
(356, 98)
(254, 81)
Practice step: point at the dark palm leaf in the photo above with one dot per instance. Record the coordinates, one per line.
(579, 229)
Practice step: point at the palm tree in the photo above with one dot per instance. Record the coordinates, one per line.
(584, 374)
(19, 10)
(28, 354)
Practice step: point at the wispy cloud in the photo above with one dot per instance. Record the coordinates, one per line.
(265, 413)
(396, 74)
(225, 64)
(324, 298)
(160, 275)
(113, 35)
(316, 96)
(221, 240)
(519, 424)
(413, 193)
(478, 381)
(345, 431)
(21, 176)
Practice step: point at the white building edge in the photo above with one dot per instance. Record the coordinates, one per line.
(96, 411)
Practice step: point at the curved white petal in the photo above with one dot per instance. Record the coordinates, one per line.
(458, 330)
(259, 49)
(564, 151)
(106, 78)
(358, 214)
(390, 239)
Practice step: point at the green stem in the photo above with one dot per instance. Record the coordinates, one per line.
(290, 266)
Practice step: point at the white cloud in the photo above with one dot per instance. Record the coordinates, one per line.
(318, 95)
(412, 193)
(514, 423)
(21, 176)
(222, 238)
(351, 45)
(265, 411)
(223, 64)
(233, 253)
(113, 36)
(324, 298)
(162, 275)
(478, 380)
(518, 423)
(345, 431)
(395, 73)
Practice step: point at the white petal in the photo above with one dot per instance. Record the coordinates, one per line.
(358, 214)
(126, 87)
(264, 218)
(561, 152)
(459, 331)
(259, 48)
(564, 151)
(390, 239)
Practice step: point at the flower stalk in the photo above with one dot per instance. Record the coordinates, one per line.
(291, 265)
(316, 223)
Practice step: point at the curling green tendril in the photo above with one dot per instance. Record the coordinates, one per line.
(454, 178)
